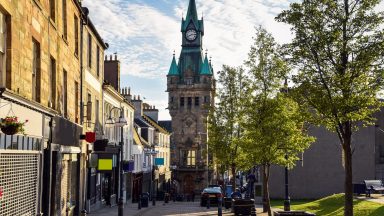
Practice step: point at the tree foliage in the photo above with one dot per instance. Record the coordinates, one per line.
(273, 124)
(223, 122)
(338, 52)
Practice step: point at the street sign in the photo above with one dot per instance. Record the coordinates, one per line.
(90, 137)
(159, 161)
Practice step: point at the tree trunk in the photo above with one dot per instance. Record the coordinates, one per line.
(233, 170)
(266, 200)
(348, 188)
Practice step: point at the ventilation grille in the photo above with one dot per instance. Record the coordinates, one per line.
(19, 184)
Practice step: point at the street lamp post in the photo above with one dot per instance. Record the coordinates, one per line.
(120, 123)
(152, 153)
(287, 201)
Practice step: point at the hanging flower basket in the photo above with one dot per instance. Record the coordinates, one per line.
(10, 125)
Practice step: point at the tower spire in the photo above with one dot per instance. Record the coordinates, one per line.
(192, 12)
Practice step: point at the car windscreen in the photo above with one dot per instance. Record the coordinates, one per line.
(212, 190)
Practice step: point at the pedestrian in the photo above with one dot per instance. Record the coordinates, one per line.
(236, 194)
(251, 182)
(193, 196)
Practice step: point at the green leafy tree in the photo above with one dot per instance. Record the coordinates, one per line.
(223, 122)
(273, 123)
(338, 52)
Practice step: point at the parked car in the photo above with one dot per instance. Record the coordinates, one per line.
(211, 193)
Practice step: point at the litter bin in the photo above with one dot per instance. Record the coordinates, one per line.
(166, 197)
(144, 200)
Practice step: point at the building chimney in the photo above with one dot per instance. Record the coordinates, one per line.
(152, 112)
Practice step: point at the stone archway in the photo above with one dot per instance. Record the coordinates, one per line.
(188, 184)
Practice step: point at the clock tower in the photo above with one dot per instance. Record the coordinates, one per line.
(191, 90)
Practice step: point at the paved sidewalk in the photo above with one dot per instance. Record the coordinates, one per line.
(170, 209)
(130, 209)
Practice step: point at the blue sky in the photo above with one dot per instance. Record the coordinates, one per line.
(144, 33)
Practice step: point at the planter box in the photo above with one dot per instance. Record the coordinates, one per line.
(292, 213)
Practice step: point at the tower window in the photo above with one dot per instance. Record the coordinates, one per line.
(182, 101)
(197, 101)
(188, 157)
(189, 101)
(206, 99)
(171, 99)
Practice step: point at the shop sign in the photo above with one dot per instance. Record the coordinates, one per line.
(104, 164)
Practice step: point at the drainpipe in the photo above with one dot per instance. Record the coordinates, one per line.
(83, 22)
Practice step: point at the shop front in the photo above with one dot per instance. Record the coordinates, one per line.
(21, 153)
(64, 151)
(103, 176)
(137, 186)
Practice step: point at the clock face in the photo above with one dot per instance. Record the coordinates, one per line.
(191, 35)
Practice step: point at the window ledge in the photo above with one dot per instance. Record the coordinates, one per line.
(38, 4)
(53, 24)
(65, 40)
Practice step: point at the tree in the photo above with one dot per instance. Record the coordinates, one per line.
(273, 124)
(338, 52)
(223, 122)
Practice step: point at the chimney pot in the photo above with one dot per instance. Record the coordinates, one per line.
(129, 91)
(116, 57)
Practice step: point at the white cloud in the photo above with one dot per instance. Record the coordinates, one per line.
(145, 36)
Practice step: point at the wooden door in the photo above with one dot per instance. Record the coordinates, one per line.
(188, 184)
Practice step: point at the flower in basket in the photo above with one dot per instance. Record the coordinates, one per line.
(11, 125)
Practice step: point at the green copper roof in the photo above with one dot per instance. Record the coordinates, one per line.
(192, 12)
(206, 67)
(192, 16)
(174, 70)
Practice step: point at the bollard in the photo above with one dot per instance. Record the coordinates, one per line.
(219, 205)
(208, 203)
(154, 200)
(83, 212)
(139, 203)
(120, 209)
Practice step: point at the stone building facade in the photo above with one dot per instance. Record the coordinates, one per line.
(191, 88)
(40, 80)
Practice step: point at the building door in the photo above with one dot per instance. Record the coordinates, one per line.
(188, 184)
